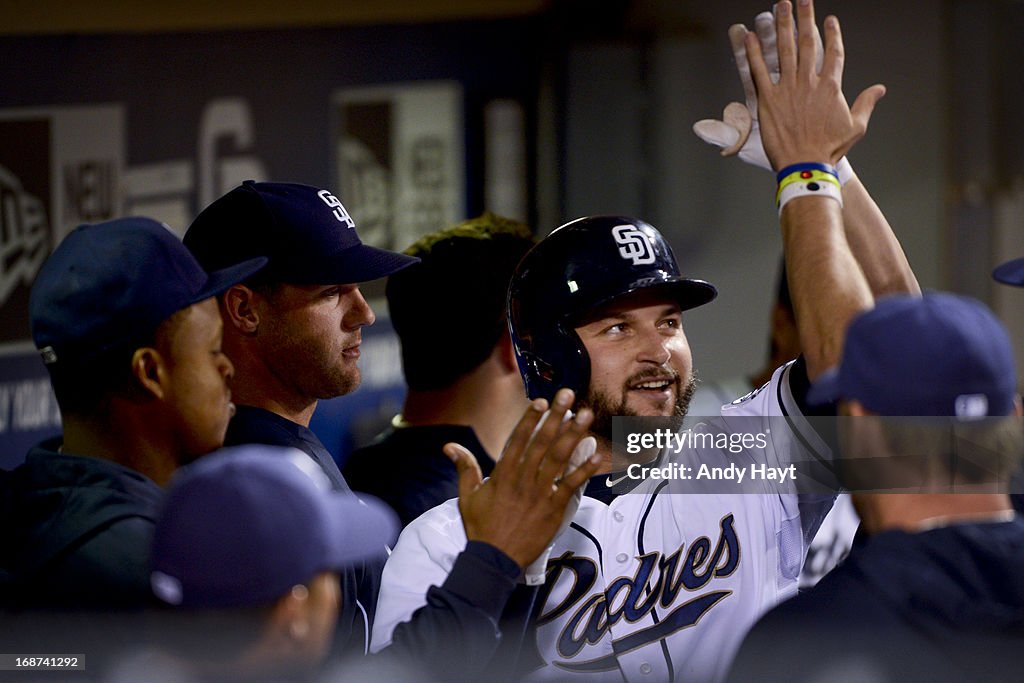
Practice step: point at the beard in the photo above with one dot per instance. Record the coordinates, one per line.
(605, 408)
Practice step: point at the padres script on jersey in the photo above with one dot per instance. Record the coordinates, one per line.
(653, 586)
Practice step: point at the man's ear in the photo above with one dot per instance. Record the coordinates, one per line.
(149, 371)
(507, 352)
(290, 615)
(239, 310)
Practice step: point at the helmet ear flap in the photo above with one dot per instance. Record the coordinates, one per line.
(576, 375)
(538, 375)
(548, 368)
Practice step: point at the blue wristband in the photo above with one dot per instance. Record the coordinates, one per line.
(810, 166)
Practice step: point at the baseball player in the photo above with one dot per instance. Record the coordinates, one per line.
(1012, 273)
(125, 321)
(126, 324)
(247, 551)
(934, 592)
(643, 584)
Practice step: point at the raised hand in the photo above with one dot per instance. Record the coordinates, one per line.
(738, 131)
(522, 505)
(804, 117)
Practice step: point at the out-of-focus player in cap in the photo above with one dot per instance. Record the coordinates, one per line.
(930, 436)
(246, 554)
(126, 323)
(1012, 273)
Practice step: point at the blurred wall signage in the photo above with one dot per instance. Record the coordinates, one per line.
(399, 159)
(59, 167)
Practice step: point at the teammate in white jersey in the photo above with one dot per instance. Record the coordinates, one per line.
(649, 585)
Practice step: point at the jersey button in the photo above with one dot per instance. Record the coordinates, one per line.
(645, 668)
(618, 516)
(622, 557)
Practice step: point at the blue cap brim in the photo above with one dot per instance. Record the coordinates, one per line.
(364, 263)
(1010, 273)
(349, 266)
(825, 389)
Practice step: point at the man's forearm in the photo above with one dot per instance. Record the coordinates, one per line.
(874, 245)
(826, 283)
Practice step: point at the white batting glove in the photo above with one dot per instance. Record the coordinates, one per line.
(738, 133)
(534, 574)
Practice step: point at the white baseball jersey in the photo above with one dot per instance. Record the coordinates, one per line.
(654, 586)
(832, 542)
(835, 536)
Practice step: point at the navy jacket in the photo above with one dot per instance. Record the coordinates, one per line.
(256, 425)
(940, 605)
(75, 533)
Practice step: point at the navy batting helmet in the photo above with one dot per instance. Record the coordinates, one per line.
(578, 267)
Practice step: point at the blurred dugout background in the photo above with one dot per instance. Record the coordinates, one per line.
(423, 112)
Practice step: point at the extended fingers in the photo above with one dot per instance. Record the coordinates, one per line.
(809, 38)
(545, 435)
(758, 69)
(819, 51)
(737, 38)
(835, 53)
(467, 467)
(517, 443)
(784, 35)
(764, 26)
(557, 458)
(568, 484)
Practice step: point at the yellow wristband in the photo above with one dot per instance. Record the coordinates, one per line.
(806, 176)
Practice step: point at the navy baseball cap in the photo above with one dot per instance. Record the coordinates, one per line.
(936, 355)
(1010, 273)
(109, 285)
(305, 232)
(243, 525)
